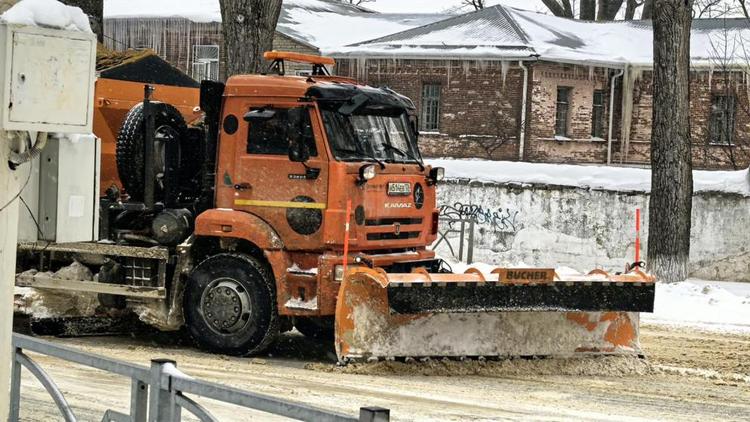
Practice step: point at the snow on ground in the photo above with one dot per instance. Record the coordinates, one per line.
(596, 177)
(47, 13)
(710, 305)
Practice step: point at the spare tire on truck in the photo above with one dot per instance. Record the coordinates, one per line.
(169, 126)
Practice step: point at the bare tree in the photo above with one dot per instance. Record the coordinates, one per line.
(248, 27)
(357, 2)
(476, 4)
(505, 130)
(561, 8)
(670, 206)
(743, 7)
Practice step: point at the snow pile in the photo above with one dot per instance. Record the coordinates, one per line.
(49, 13)
(623, 179)
(710, 305)
(42, 303)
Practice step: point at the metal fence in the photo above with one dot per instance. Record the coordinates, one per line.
(159, 393)
(464, 227)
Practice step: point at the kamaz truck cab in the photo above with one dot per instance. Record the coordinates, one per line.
(294, 154)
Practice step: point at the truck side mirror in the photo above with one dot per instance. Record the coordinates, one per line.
(260, 115)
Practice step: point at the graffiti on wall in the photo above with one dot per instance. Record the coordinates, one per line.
(498, 220)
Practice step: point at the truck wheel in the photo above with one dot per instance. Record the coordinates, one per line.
(321, 328)
(230, 305)
(169, 126)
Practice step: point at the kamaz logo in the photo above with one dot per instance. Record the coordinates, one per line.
(397, 205)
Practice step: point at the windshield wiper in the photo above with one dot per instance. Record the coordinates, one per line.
(405, 154)
(363, 152)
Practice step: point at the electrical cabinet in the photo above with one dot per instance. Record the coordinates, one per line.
(61, 198)
(47, 79)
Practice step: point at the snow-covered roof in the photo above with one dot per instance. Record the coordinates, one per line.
(486, 33)
(325, 24)
(501, 32)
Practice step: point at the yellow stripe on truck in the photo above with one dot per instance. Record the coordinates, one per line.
(280, 204)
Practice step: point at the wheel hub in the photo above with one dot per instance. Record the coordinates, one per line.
(226, 306)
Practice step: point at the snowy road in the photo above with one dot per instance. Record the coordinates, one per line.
(690, 375)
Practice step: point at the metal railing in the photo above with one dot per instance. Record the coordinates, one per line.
(465, 229)
(159, 393)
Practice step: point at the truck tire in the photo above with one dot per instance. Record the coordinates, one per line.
(230, 305)
(321, 328)
(169, 123)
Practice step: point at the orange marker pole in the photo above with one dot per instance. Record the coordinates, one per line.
(346, 234)
(637, 235)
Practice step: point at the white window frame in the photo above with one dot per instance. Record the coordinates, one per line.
(205, 62)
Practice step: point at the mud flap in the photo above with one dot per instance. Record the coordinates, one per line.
(368, 327)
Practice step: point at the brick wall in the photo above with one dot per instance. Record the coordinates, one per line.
(703, 86)
(480, 102)
(579, 147)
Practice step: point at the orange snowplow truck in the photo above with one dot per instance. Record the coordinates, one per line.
(308, 205)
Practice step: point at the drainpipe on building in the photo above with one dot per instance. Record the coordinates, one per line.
(612, 85)
(524, 98)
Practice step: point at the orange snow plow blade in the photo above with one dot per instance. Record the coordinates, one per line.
(508, 313)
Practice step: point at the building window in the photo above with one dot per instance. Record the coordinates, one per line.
(288, 126)
(206, 62)
(723, 110)
(597, 115)
(561, 116)
(430, 107)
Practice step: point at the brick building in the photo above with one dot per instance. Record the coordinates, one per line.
(466, 74)
(497, 84)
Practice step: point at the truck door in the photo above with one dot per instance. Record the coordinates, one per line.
(291, 196)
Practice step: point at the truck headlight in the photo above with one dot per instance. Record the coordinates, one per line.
(367, 172)
(437, 174)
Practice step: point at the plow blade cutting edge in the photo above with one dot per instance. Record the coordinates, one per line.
(508, 313)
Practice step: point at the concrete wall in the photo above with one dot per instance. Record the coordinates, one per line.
(586, 229)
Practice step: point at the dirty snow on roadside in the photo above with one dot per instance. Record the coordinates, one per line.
(707, 305)
(50, 13)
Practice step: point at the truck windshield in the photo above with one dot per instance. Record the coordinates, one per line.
(366, 137)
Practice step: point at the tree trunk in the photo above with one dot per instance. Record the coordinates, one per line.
(670, 205)
(648, 9)
(564, 11)
(630, 9)
(608, 9)
(95, 11)
(248, 27)
(588, 10)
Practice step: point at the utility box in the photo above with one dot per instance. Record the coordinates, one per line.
(47, 79)
(61, 198)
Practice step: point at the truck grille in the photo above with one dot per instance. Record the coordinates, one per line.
(393, 236)
(392, 221)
